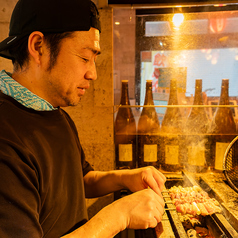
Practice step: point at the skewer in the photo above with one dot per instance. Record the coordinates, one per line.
(170, 209)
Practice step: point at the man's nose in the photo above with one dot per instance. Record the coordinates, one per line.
(91, 73)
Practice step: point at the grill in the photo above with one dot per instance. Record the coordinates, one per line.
(230, 164)
(221, 225)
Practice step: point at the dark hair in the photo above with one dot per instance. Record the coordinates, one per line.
(21, 54)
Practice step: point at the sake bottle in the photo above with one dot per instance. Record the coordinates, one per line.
(196, 142)
(223, 129)
(125, 132)
(148, 131)
(171, 131)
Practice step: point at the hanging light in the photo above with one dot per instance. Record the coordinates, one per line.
(178, 19)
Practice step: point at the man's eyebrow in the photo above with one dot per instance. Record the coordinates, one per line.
(96, 52)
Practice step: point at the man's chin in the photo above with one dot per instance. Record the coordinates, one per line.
(75, 103)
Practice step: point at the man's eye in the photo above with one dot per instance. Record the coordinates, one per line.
(85, 60)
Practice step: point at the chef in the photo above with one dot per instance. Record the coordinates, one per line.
(44, 175)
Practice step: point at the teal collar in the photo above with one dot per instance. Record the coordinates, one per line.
(21, 94)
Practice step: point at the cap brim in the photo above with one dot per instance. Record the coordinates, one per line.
(5, 45)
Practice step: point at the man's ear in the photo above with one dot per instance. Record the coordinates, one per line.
(35, 45)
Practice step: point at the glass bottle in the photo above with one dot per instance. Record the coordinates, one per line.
(196, 142)
(148, 131)
(125, 132)
(171, 133)
(222, 130)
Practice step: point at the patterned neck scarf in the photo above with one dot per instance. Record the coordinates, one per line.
(21, 94)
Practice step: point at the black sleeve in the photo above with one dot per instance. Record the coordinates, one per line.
(19, 197)
(85, 165)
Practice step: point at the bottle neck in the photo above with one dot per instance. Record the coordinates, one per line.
(124, 94)
(198, 93)
(149, 96)
(173, 99)
(224, 98)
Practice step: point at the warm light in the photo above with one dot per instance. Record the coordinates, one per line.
(208, 57)
(217, 24)
(214, 60)
(219, 5)
(178, 19)
(117, 23)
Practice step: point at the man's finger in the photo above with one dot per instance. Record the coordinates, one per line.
(152, 183)
(160, 179)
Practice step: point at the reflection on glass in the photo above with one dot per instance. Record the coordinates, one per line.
(149, 47)
(186, 47)
(178, 20)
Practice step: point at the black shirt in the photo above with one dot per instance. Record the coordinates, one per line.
(42, 166)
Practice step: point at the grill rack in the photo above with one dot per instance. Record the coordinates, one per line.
(172, 214)
(217, 223)
(172, 227)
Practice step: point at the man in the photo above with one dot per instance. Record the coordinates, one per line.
(44, 177)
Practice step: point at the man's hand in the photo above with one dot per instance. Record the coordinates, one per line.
(145, 207)
(140, 210)
(100, 183)
(146, 177)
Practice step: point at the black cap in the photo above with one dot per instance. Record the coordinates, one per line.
(49, 16)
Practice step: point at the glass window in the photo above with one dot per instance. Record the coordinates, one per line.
(188, 44)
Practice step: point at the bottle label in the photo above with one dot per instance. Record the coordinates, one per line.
(125, 152)
(150, 153)
(196, 155)
(220, 152)
(171, 154)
